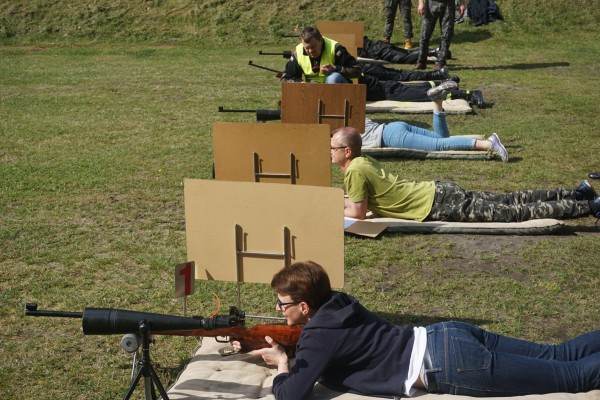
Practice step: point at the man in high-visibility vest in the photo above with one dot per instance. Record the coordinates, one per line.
(320, 59)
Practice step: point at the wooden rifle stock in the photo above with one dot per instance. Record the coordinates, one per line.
(251, 338)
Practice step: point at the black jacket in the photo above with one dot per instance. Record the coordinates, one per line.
(348, 348)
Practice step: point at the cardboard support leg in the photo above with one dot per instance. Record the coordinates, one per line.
(259, 174)
(345, 117)
(242, 252)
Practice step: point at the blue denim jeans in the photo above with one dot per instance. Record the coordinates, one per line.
(336, 77)
(468, 360)
(401, 134)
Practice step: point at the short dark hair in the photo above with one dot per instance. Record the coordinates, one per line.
(310, 32)
(303, 281)
(349, 137)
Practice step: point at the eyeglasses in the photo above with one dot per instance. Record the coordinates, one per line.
(337, 148)
(281, 304)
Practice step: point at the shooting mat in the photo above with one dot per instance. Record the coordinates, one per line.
(456, 106)
(533, 227)
(208, 375)
(398, 152)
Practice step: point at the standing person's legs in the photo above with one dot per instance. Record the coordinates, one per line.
(447, 25)
(390, 16)
(427, 27)
(464, 359)
(405, 9)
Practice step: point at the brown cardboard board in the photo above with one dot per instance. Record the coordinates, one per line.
(347, 40)
(364, 228)
(354, 28)
(300, 103)
(313, 215)
(234, 145)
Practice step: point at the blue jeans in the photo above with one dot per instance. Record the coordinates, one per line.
(468, 360)
(401, 134)
(336, 77)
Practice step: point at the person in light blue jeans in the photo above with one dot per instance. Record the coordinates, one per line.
(336, 77)
(400, 134)
(464, 359)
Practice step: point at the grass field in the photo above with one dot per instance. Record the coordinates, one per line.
(96, 138)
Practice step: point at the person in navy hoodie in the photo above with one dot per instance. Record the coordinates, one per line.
(348, 348)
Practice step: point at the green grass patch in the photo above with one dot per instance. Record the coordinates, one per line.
(96, 138)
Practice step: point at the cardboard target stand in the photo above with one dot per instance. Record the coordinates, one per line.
(337, 105)
(245, 231)
(272, 153)
(349, 34)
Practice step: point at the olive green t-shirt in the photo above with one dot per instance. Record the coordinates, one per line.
(387, 195)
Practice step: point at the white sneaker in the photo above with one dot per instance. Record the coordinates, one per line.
(440, 92)
(498, 147)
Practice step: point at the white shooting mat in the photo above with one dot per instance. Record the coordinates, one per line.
(532, 227)
(456, 106)
(209, 375)
(398, 152)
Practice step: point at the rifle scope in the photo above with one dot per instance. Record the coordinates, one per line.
(111, 321)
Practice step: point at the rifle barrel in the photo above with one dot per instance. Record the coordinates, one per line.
(284, 54)
(261, 67)
(31, 309)
(232, 110)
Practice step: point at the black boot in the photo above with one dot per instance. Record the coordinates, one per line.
(585, 191)
(595, 207)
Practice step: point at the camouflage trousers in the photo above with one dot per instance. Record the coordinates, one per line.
(453, 203)
(391, 7)
(437, 10)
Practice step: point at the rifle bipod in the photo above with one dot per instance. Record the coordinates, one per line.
(145, 369)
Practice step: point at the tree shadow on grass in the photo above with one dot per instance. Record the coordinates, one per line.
(423, 320)
(518, 66)
(471, 36)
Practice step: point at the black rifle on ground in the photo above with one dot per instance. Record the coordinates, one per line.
(277, 73)
(284, 54)
(262, 115)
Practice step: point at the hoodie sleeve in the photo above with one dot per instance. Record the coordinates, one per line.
(313, 355)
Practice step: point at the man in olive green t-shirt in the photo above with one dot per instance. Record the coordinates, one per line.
(370, 187)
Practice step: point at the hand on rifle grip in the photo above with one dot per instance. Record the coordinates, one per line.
(274, 355)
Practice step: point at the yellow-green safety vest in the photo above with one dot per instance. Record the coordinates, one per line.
(327, 57)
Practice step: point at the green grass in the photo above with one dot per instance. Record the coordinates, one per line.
(96, 138)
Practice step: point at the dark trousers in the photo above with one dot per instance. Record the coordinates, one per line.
(394, 90)
(390, 16)
(444, 12)
(467, 360)
(379, 50)
(391, 74)
(453, 203)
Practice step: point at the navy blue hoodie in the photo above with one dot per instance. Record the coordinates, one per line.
(348, 348)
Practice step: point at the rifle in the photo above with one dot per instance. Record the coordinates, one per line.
(109, 321)
(288, 54)
(284, 54)
(278, 73)
(262, 115)
(139, 326)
